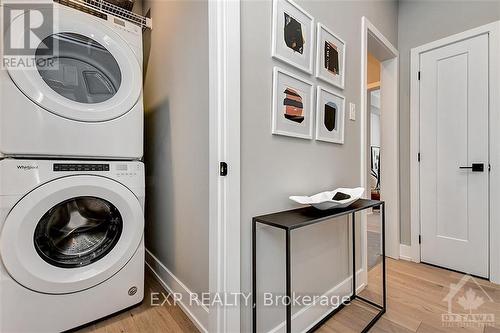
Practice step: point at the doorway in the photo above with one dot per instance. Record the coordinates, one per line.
(453, 105)
(373, 217)
(380, 163)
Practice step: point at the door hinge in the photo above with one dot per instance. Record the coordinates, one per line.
(223, 169)
(418, 157)
(419, 239)
(419, 75)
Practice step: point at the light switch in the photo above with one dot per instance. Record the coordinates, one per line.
(352, 111)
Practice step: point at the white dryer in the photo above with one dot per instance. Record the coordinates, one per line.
(71, 242)
(84, 96)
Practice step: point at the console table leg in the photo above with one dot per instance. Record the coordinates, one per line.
(288, 285)
(353, 255)
(384, 286)
(254, 278)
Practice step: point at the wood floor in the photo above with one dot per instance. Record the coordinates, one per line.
(415, 304)
(145, 318)
(415, 301)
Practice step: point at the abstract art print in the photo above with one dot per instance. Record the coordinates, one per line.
(330, 115)
(330, 62)
(293, 35)
(292, 109)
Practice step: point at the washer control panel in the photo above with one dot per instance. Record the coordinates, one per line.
(126, 170)
(80, 167)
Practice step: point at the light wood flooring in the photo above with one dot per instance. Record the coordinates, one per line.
(415, 301)
(145, 318)
(415, 304)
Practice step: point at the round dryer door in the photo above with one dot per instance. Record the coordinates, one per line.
(81, 70)
(71, 234)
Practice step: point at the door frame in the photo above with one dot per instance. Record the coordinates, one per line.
(224, 146)
(371, 37)
(493, 30)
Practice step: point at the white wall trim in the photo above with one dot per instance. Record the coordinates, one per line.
(307, 317)
(224, 145)
(390, 135)
(493, 30)
(405, 252)
(197, 312)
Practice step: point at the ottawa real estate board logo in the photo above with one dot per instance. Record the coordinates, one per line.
(25, 27)
(468, 305)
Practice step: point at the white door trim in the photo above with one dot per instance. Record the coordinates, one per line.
(224, 142)
(493, 30)
(389, 79)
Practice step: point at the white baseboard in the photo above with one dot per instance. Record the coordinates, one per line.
(405, 252)
(197, 312)
(309, 316)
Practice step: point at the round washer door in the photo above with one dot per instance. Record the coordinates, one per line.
(71, 234)
(82, 69)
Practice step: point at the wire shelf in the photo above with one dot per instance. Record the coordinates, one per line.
(100, 7)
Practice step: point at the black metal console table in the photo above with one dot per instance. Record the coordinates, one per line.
(302, 217)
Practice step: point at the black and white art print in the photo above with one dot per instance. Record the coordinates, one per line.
(330, 53)
(293, 35)
(330, 115)
(292, 110)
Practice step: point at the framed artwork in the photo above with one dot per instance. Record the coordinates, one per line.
(375, 164)
(293, 35)
(330, 62)
(375, 160)
(330, 115)
(292, 110)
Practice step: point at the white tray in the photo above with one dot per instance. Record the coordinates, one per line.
(323, 200)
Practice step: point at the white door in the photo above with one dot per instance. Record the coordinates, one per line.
(454, 137)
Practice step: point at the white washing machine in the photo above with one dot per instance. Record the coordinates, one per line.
(87, 102)
(71, 242)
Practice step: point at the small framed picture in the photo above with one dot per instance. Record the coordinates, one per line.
(330, 62)
(292, 111)
(293, 35)
(330, 115)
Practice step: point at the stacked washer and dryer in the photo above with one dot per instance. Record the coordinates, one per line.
(71, 180)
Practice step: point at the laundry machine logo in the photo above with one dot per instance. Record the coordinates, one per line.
(25, 28)
(27, 167)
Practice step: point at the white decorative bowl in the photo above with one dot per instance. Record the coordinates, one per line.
(323, 200)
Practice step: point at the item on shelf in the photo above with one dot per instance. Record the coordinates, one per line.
(341, 196)
(331, 199)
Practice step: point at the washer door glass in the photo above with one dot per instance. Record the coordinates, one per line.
(80, 69)
(78, 232)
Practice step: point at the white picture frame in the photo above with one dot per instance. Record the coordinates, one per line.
(292, 55)
(330, 128)
(324, 36)
(292, 94)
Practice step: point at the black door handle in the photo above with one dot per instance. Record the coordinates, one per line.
(476, 167)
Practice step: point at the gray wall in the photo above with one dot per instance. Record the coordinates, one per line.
(176, 143)
(274, 167)
(421, 22)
